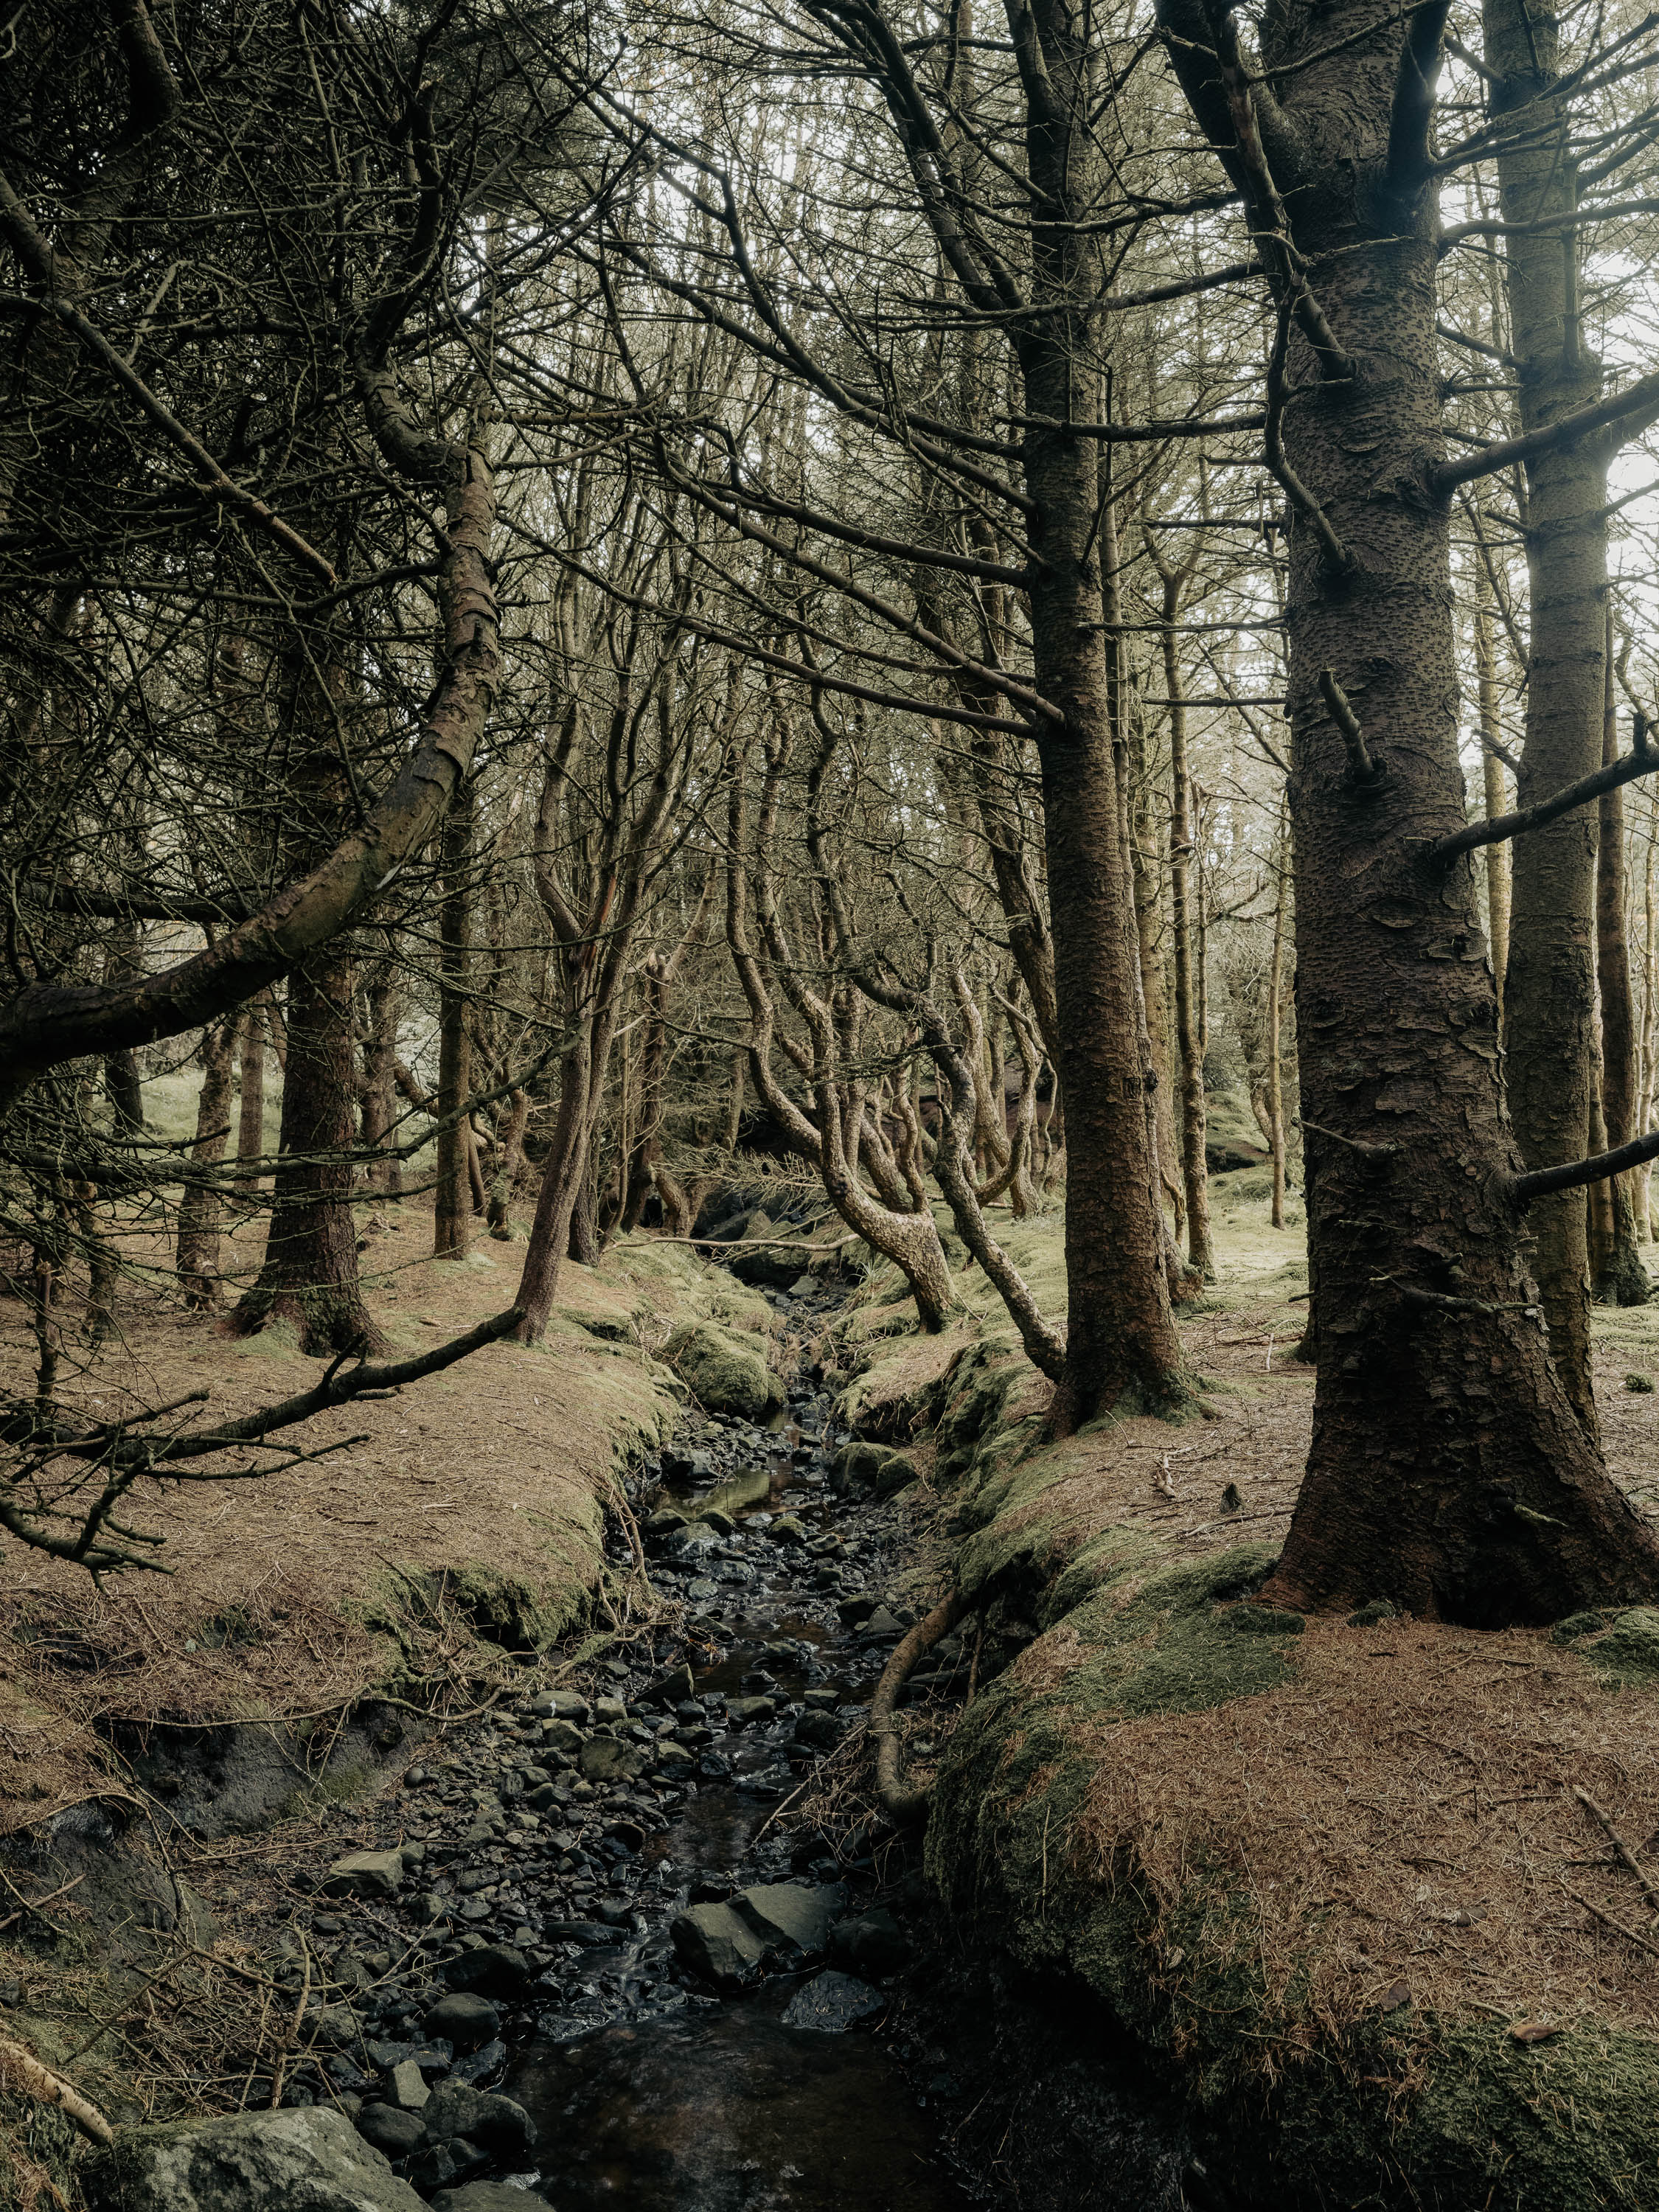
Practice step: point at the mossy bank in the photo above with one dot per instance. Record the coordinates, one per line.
(1346, 1886)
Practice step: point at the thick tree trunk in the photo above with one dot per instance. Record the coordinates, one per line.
(198, 1255)
(1549, 985)
(1619, 1277)
(451, 1200)
(1448, 1471)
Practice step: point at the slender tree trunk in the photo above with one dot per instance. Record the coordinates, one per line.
(1549, 986)
(198, 1255)
(499, 1213)
(378, 1114)
(1447, 1469)
(563, 1173)
(251, 1118)
(452, 1203)
(1495, 795)
(1121, 1331)
(1619, 1277)
(1195, 1171)
(1275, 1052)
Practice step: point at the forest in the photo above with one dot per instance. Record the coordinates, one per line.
(943, 723)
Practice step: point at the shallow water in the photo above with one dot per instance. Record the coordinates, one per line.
(731, 2112)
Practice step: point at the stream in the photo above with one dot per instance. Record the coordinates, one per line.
(623, 1963)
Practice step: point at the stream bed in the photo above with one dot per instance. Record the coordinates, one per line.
(614, 1959)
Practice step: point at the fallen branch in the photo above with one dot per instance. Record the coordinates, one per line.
(48, 2088)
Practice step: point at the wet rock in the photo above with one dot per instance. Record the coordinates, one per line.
(742, 1712)
(820, 1731)
(478, 2065)
(874, 1943)
(496, 1970)
(439, 2165)
(488, 2197)
(561, 1736)
(789, 1917)
(307, 2158)
(788, 1529)
(464, 2019)
(608, 1759)
(393, 2132)
(832, 2002)
(882, 1627)
(715, 1943)
(495, 2124)
(365, 1873)
(676, 1687)
(590, 1933)
(853, 1611)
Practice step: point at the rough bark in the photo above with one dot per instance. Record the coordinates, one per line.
(1195, 1171)
(1120, 1332)
(1496, 797)
(1275, 1056)
(1447, 1469)
(251, 1115)
(197, 1254)
(1549, 984)
(452, 1202)
(1619, 1277)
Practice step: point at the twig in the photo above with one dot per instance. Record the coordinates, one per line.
(1354, 1143)
(51, 2090)
(1649, 1889)
(1618, 1926)
(1362, 766)
(33, 1905)
(1232, 1519)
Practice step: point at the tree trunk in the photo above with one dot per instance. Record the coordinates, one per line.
(198, 1255)
(377, 1112)
(1275, 1100)
(309, 1275)
(1549, 986)
(1121, 1333)
(251, 1118)
(1495, 795)
(499, 1213)
(1620, 1277)
(1194, 1172)
(563, 1174)
(1447, 1470)
(452, 1202)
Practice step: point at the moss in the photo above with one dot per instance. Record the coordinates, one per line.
(725, 1376)
(1628, 1652)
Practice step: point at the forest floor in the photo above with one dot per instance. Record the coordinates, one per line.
(470, 1508)
(1390, 1810)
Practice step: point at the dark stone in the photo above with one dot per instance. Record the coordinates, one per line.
(830, 2003)
(672, 1688)
(872, 1944)
(822, 1731)
(496, 2125)
(441, 2164)
(591, 1934)
(464, 2019)
(392, 2132)
(496, 1970)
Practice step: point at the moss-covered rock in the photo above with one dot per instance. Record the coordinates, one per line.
(1629, 1650)
(725, 1376)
